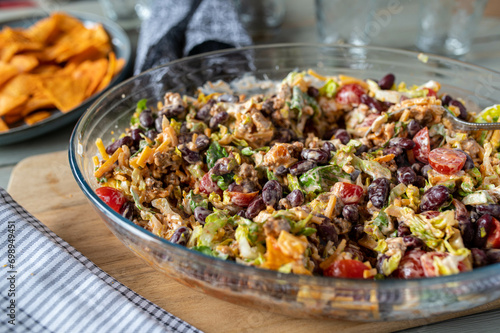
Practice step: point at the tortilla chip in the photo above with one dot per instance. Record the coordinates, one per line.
(24, 63)
(110, 72)
(13, 118)
(22, 84)
(94, 70)
(120, 63)
(3, 126)
(36, 102)
(65, 92)
(46, 69)
(7, 71)
(43, 31)
(37, 117)
(9, 103)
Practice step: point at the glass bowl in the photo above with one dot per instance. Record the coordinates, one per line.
(295, 295)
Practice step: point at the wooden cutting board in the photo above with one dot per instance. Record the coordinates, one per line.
(45, 186)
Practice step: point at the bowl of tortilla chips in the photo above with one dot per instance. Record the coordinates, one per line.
(53, 67)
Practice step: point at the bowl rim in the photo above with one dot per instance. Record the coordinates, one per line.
(299, 279)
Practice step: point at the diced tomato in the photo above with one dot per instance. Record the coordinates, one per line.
(431, 92)
(422, 145)
(242, 199)
(430, 270)
(493, 240)
(410, 266)
(348, 193)
(112, 197)
(447, 161)
(350, 94)
(346, 268)
(207, 185)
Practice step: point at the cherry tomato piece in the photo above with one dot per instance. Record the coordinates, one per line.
(350, 94)
(207, 185)
(431, 270)
(431, 92)
(422, 145)
(493, 240)
(112, 197)
(242, 199)
(348, 193)
(410, 266)
(447, 161)
(346, 268)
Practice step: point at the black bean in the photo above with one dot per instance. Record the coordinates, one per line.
(351, 213)
(426, 168)
(406, 175)
(246, 186)
(362, 149)
(464, 222)
(343, 136)
(126, 140)
(493, 210)
(483, 227)
(357, 232)
(201, 214)
(403, 230)
(267, 107)
(302, 166)
(329, 147)
(159, 124)
(403, 143)
(272, 193)
(185, 138)
(417, 167)
(255, 207)
(387, 81)
(413, 128)
(241, 213)
(219, 119)
(202, 142)
(461, 107)
(188, 155)
(184, 128)
(135, 134)
(469, 163)
(312, 91)
(146, 118)
(281, 170)
(204, 112)
(371, 102)
(174, 110)
(378, 191)
(419, 182)
(296, 198)
(493, 255)
(479, 258)
(283, 135)
(327, 232)
(380, 263)
(329, 133)
(355, 251)
(412, 242)
(223, 166)
(354, 175)
(127, 210)
(434, 198)
(316, 155)
(228, 98)
(180, 236)
(396, 151)
(151, 134)
(446, 99)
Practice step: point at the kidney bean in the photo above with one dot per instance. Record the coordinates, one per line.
(135, 134)
(403, 143)
(316, 155)
(378, 191)
(351, 213)
(228, 98)
(267, 107)
(413, 128)
(329, 133)
(493, 210)
(172, 111)
(380, 263)
(180, 236)
(479, 258)
(204, 112)
(219, 119)
(127, 210)
(412, 242)
(461, 107)
(201, 214)
(493, 255)
(396, 151)
(464, 222)
(296, 198)
(403, 230)
(329, 147)
(406, 175)
(312, 91)
(387, 81)
(151, 134)
(371, 102)
(419, 182)
(255, 207)
(343, 136)
(327, 232)
(281, 170)
(202, 142)
(272, 193)
(362, 149)
(301, 166)
(126, 140)
(483, 227)
(223, 166)
(446, 99)
(434, 198)
(417, 167)
(188, 155)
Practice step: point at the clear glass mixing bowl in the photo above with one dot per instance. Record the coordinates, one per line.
(296, 295)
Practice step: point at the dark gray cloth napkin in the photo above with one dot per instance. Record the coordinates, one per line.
(180, 28)
(48, 286)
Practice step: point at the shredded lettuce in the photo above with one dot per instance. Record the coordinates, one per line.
(372, 168)
(329, 89)
(321, 178)
(214, 152)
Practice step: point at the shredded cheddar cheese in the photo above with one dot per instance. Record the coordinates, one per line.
(108, 165)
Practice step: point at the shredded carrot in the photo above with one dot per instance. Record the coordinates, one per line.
(316, 75)
(385, 158)
(348, 79)
(101, 148)
(331, 206)
(145, 156)
(108, 165)
(325, 264)
(95, 159)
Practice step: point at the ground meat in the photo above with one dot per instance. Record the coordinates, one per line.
(274, 226)
(248, 172)
(471, 147)
(166, 159)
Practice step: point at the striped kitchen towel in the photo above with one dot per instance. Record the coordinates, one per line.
(48, 286)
